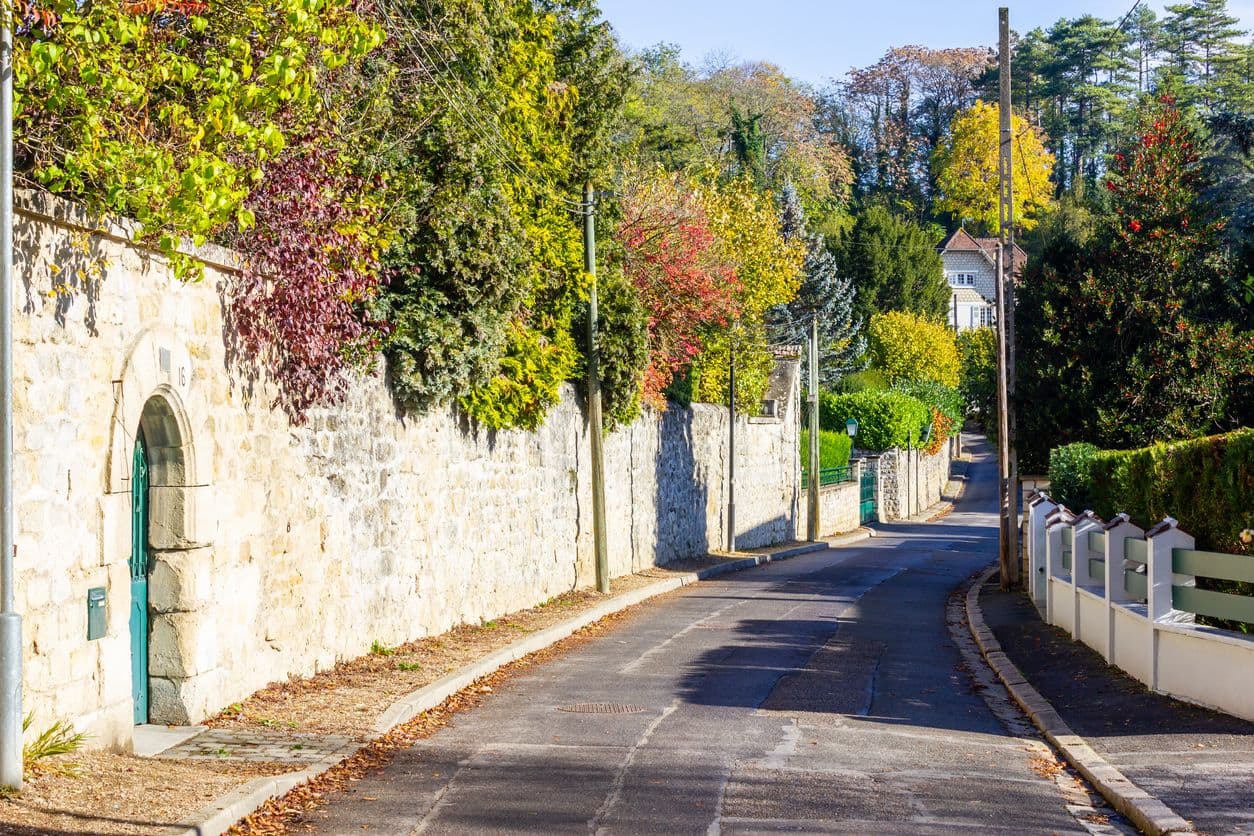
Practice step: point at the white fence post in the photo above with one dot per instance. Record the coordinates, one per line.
(1161, 540)
(1118, 531)
(1040, 507)
(1054, 525)
(1080, 578)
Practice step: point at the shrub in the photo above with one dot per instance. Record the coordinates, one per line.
(1206, 483)
(946, 399)
(861, 381)
(834, 449)
(1070, 474)
(908, 347)
(885, 417)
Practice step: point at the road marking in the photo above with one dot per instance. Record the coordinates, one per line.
(616, 790)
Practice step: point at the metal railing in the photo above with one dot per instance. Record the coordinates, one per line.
(829, 475)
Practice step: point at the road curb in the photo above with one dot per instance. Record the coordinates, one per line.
(1149, 814)
(221, 814)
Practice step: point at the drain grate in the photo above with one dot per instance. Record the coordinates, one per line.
(602, 708)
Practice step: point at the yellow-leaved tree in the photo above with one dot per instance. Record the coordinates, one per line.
(746, 226)
(906, 347)
(966, 168)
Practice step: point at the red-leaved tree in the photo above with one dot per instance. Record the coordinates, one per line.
(312, 268)
(671, 258)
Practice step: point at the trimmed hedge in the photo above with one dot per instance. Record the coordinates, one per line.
(834, 449)
(884, 417)
(1206, 483)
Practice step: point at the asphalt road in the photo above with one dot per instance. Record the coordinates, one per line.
(818, 694)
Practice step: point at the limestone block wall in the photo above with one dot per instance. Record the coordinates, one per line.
(279, 549)
(839, 509)
(909, 481)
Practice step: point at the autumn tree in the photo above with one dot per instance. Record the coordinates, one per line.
(967, 169)
(746, 228)
(906, 347)
(672, 259)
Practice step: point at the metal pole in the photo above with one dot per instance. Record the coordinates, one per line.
(731, 444)
(594, 395)
(10, 621)
(813, 528)
(1005, 316)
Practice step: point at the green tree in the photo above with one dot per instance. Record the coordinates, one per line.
(977, 374)
(894, 266)
(1136, 335)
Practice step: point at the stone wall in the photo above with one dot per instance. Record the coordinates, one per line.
(279, 549)
(839, 509)
(908, 481)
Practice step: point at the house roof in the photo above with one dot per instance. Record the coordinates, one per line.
(962, 241)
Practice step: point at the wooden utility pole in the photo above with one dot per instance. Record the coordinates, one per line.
(1007, 471)
(812, 518)
(594, 396)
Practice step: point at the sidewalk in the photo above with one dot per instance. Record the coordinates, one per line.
(1199, 763)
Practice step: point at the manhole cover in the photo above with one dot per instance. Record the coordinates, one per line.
(602, 708)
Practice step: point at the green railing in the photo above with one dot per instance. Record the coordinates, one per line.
(1216, 566)
(829, 475)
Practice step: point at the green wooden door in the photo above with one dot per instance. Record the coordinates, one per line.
(139, 580)
(867, 504)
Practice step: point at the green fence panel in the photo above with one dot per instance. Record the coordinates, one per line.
(1097, 569)
(1224, 567)
(1213, 604)
(1097, 541)
(1136, 585)
(1135, 550)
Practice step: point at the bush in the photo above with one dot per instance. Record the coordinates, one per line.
(946, 399)
(1206, 483)
(885, 417)
(908, 347)
(1070, 474)
(861, 381)
(834, 449)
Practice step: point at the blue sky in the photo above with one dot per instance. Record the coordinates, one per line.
(814, 40)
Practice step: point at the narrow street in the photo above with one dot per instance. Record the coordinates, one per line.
(823, 693)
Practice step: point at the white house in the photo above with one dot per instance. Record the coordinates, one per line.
(970, 268)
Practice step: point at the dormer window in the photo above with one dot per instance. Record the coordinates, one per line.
(961, 279)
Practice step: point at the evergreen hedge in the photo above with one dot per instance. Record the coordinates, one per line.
(885, 417)
(1207, 484)
(834, 449)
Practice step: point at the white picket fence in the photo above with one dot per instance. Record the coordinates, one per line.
(1132, 596)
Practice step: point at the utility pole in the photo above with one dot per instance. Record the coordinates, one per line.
(594, 395)
(1009, 541)
(812, 519)
(731, 443)
(10, 621)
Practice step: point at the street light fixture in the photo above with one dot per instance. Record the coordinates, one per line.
(851, 427)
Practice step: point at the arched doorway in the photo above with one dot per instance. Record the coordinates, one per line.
(158, 472)
(139, 578)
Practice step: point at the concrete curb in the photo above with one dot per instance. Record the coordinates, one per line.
(219, 816)
(1149, 814)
